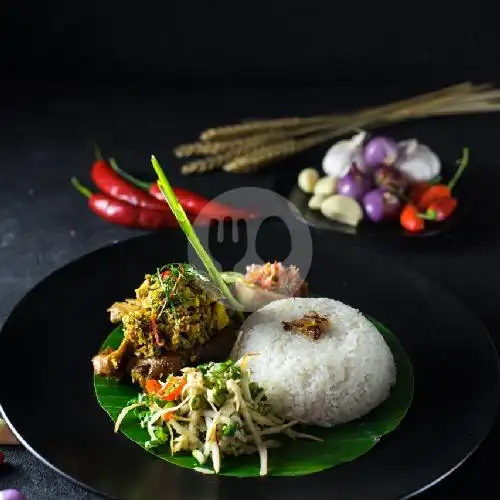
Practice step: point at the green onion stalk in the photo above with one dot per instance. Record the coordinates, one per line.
(190, 233)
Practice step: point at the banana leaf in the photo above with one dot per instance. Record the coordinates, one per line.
(341, 444)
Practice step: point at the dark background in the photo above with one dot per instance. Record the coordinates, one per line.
(141, 77)
(245, 42)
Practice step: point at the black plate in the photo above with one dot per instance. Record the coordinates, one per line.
(47, 395)
(286, 185)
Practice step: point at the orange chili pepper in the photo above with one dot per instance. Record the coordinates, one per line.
(168, 416)
(410, 219)
(152, 386)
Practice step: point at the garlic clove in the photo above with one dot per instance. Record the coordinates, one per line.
(316, 201)
(307, 180)
(342, 209)
(326, 186)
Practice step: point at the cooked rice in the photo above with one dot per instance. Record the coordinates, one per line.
(340, 377)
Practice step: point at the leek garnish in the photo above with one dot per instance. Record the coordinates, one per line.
(190, 233)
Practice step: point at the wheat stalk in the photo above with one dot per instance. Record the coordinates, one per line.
(248, 146)
(237, 130)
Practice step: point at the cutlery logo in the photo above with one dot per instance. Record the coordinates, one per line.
(232, 243)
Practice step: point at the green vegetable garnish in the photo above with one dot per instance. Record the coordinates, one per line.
(190, 233)
(229, 429)
(216, 374)
(254, 389)
(196, 403)
(231, 277)
(220, 398)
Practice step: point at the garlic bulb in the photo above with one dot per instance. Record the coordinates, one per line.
(340, 157)
(418, 162)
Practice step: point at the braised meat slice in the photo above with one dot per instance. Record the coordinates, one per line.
(112, 362)
(155, 368)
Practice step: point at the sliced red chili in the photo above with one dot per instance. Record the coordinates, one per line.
(152, 386)
(154, 328)
(173, 389)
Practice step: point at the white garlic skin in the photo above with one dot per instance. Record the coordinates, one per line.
(339, 158)
(307, 180)
(418, 162)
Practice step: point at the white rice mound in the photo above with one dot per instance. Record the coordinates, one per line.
(340, 377)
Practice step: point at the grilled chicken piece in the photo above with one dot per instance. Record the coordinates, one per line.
(119, 309)
(112, 362)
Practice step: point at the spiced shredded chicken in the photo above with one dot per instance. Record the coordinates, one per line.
(176, 319)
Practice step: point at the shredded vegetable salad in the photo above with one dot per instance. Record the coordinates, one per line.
(211, 411)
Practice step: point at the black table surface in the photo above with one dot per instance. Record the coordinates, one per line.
(44, 224)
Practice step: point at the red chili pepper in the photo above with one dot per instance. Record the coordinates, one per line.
(442, 208)
(156, 333)
(110, 183)
(192, 203)
(124, 214)
(433, 193)
(152, 386)
(439, 191)
(410, 219)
